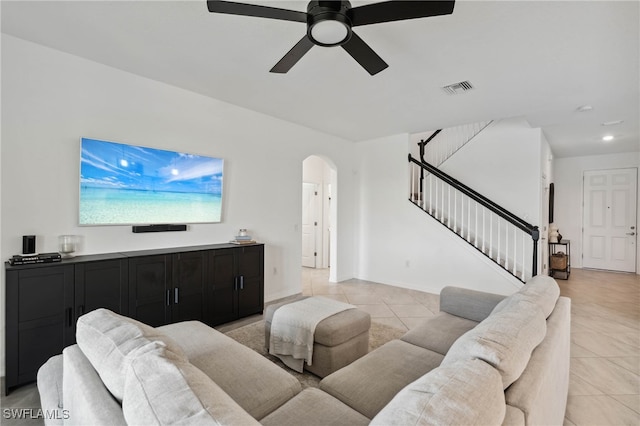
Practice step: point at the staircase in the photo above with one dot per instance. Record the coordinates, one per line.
(500, 235)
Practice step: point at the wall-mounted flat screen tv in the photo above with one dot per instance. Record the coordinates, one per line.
(124, 184)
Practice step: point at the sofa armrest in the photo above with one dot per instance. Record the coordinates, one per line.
(470, 304)
(50, 390)
(86, 399)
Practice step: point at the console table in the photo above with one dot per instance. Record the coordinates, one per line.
(213, 284)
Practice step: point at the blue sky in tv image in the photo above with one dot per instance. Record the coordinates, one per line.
(115, 165)
(127, 184)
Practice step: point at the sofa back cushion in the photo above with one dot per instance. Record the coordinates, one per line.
(541, 290)
(110, 341)
(467, 392)
(505, 340)
(162, 388)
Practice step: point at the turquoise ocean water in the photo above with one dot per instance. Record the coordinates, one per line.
(124, 206)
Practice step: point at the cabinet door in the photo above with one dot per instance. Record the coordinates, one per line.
(149, 295)
(187, 296)
(102, 284)
(39, 317)
(251, 275)
(221, 286)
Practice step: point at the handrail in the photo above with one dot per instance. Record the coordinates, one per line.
(433, 135)
(500, 211)
(505, 214)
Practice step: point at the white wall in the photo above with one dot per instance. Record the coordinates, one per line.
(401, 245)
(568, 174)
(51, 99)
(503, 163)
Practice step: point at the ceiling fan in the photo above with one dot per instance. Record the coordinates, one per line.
(329, 23)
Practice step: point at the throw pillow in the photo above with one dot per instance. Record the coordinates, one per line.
(110, 341)
(463, 393)
(505, 340)
(541, 290)
(162, 388)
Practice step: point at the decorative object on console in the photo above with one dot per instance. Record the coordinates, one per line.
(67, 245)
(28, 244)
(35, 258)
(243, 238)
(554, 235)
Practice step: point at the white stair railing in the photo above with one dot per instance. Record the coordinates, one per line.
(449, 141)
(498, 234)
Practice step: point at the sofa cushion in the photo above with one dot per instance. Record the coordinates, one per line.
(110, 341)
(162, 388)
(462, 393)
(541, 290)
(466, 303)
(258, 385)
(369, 383)
(505, 340)
(313, 407)
(438, 333)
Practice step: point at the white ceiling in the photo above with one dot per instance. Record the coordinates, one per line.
(539, 59)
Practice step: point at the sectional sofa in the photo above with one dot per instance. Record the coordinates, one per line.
(484, 359)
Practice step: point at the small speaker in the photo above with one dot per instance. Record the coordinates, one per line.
(28, 244)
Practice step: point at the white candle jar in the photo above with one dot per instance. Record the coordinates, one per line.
(67, 245)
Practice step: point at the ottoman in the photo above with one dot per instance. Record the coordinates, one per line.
(338, 340)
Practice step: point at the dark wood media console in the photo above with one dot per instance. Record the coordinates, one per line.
(213, 284)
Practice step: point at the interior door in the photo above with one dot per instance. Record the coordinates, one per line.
(309, 224)
(609, 222)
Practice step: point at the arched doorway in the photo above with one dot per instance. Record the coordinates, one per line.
(319, 209)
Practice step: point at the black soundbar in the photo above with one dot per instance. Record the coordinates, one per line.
(158, 228)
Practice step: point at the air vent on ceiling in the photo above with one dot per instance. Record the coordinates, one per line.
(456, 88)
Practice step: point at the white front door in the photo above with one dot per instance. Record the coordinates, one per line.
(609, 222)
(309, 224)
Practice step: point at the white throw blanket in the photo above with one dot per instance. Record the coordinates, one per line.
(293, 327)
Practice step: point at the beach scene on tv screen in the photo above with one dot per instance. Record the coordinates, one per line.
(128, 184)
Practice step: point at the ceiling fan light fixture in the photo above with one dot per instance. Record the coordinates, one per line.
(329, 32)
(329, 23)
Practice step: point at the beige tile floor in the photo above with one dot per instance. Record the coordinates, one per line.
(605, 351)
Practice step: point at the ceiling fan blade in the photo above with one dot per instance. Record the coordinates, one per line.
(233, 8)
(364, 55)
(293, 56)
(397, 11)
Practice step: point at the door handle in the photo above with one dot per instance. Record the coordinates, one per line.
(631, 233)
(175, 295)
(70, 317)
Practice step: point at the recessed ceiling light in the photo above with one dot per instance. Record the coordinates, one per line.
(584, 108)
(613, 123)
(607, 138)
